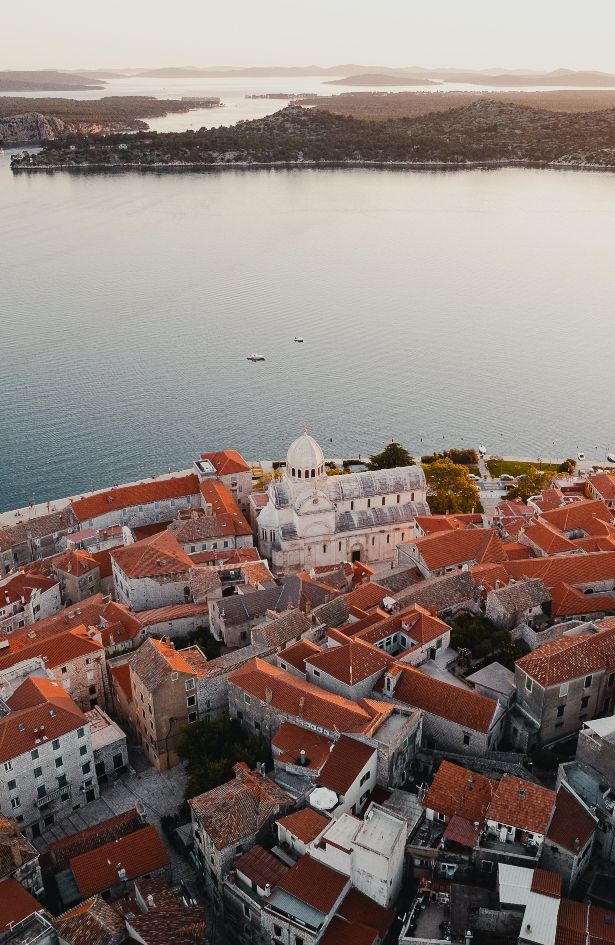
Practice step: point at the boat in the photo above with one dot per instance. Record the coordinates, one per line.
(482, 450)
(255, 357)
(610, 457)
(581, 455)
(299, 339)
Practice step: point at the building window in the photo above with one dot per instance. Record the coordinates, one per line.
(584, 702)
(563, 689)
(588, 682)
(611, 680)
(62, 781)
(398, 499)
(466, 738)
(190, 701)
(369, 503)
(59, 761)
(316, 672)
(34, 754)
(529, 683)
(384, 501)
(38, 772)
(388, 539)
(12, 785)
(15, 802)
(55, 744)
(560, 711)
(247, 699)
(324, 549)
(83, 750)
(277, 930)
(364, 779)
(8, 765)
(86, 767)
(352, 506)
(191, 717)
(41, 790)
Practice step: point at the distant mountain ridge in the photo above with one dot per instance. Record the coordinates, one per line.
(45, 81)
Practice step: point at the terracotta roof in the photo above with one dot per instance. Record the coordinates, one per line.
(16, 904)
(261, 867)
(547, 883)
(157, 556)
(63, 850)
(351, 663)
(155, 660)
(548, 539)
(516, 551)
(21, 586)
(464, 832)
(241, 807)
(315, 884)
(140, 493)
(604, 484)
(448, 549)
(591, 516)
(137, 853)
(36, 528)
(568, 658)
(175, 926)
(289, 626)
(579, 923)
(457, 791)
(572, 824)
(360, 908)
(93, 922)
(40, 704)
(55, 650)
(216, 494)
(414, 622)
(305, 824)
(228, 556)
(172, 612)
(466, 707)
(348, 932)
(367, 596)
(290, 740)
(344, 764)
(227, 462)
(550, 499)
(521, 804)
(290, 695)
(121, 674)
(76, 562)
(297, 653)
(568, 601)
(15, 850)
(568, 569)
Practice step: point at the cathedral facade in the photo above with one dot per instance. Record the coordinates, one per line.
(313, 519)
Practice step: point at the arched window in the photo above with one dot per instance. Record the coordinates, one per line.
(298, 474)
(293, 471)
(313, 474)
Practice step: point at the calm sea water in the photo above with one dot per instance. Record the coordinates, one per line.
(437, 308)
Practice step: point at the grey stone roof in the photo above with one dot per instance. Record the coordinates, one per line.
(228, 662)
(36, 528)
(290, 626)
(332, 614)
(494, 676)
(362, 485)
(204, 582)
(241, 608)
(443, 592)
(399, 580)
(379, 515)
(200, 528)
(521, 596)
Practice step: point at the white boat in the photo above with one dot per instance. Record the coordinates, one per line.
(255, 357)
(610, 457)
(581, 455)
(482, 450)
(299, 338)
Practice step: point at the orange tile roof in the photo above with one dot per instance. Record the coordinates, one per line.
(431, 524)
(415, 622)
(567, 601)
(580, 923)
(572, 825)
(94, 922)
(138, 853)
(22, 586)
(16, 904)
(155, 660)
(148, 618)
(231, 556)
(457, 791)
(569, 658)
(367, 596)
(297, 653)
(351, 663)
(222, 503)
(239, 808)
(297, 698)
(54, 650)
(261, 866)
(515, 551)
(63, 850)
(548, 538)
(349, 932)
(344, 764)
(490, 576)
(227, 462)
(121, 674)
(40, 704)
(305, 824)
(315, 884)
(604, 484)
(547, 883)
(521, 804)
(449, 549)
(76, 562)
(590, 515)
(464, 706)
(360, 908)
(290, 740)
(550, 499)
(152, 557)
(141, 493)
(568, 569)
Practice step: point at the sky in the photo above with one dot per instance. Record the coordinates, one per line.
(534, 34)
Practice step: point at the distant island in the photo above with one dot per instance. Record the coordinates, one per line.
(486, 132)
(46, 81)
(368, 78)
(39, 120)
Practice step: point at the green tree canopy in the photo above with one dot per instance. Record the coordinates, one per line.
(391, 456)
(450, 489)
(212, 748)
(531, 483)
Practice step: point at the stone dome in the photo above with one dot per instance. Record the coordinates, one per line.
(305, 459)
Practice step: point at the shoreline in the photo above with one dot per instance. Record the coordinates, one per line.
(315, 165)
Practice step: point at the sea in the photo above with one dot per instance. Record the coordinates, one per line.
(437, 308)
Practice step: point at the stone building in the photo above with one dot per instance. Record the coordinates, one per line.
(26, 598)
(46, 759)
(457, 550)
(108, 744)
(19, 860)
(82, 574)
(36, 537)
(233, 471)
(520, 602)
(152, 573)
(138, 503)
(313, 519)
(231, 619)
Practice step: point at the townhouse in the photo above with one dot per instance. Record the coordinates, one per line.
(232, 470)
(447, 551)
(26, 598)
(36, 537)
(46, 756)
(231, 619)
(601, 486)
(19, 860)
(82, 574)
(152, 573)
(139, 503)
(562, 684)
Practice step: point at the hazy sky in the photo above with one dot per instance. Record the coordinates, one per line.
(477, 33)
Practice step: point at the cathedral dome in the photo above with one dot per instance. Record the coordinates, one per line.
(305, 459)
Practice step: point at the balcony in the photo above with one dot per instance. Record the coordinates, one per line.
(53, 795)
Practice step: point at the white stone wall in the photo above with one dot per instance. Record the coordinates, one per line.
(148, 593)
(165, 510)
(42, 604)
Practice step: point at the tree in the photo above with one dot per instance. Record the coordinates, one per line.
(212, 748)
(450, 489)
(568, 466)
(262, 483)
(531, 483)
(391, 456)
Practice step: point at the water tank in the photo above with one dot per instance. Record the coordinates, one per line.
(323, 799)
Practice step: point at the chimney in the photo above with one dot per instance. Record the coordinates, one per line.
(269, 695)
(150, 901)
(302, 758)
(15, 849)
(267, 892)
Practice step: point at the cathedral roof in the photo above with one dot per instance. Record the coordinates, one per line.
(304, 453)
